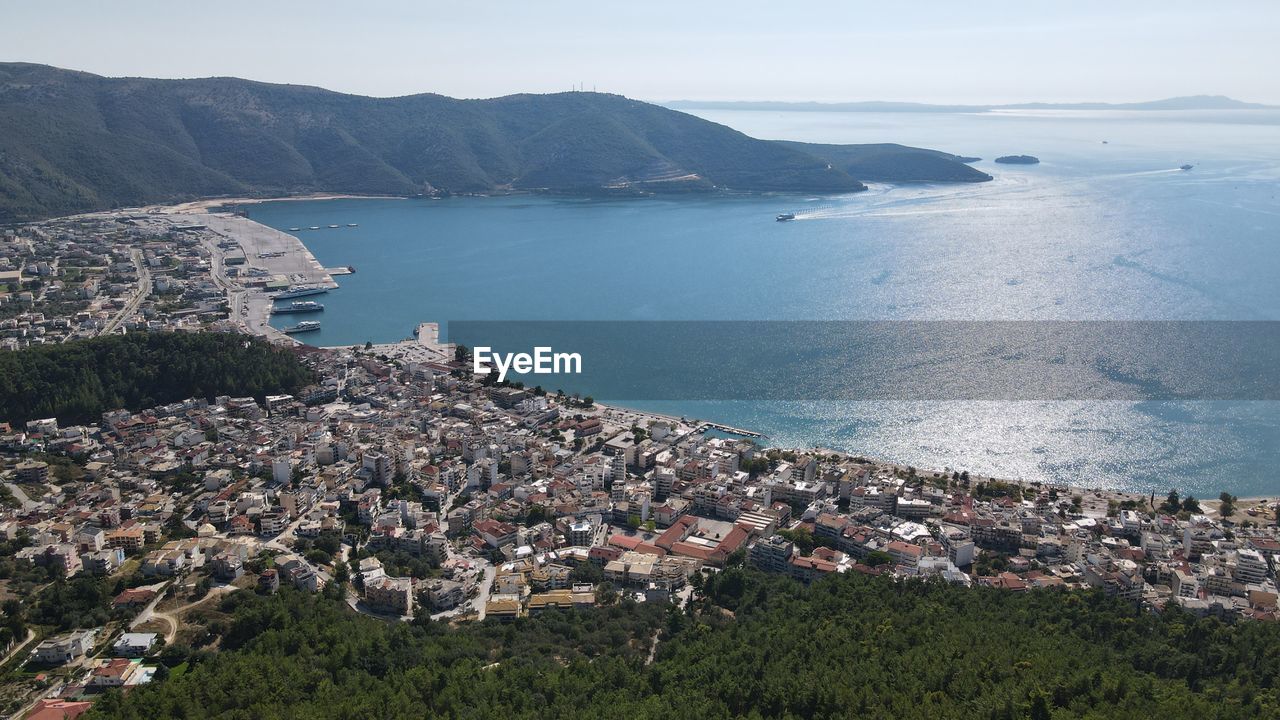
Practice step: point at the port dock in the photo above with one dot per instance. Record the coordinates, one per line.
(729, 429)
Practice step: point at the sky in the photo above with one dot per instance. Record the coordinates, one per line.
(970, 51)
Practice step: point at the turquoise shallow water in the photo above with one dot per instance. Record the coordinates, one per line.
(1096, 231)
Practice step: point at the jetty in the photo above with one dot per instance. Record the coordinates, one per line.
(705, 426)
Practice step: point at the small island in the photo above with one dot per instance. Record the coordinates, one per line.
(1018, 159)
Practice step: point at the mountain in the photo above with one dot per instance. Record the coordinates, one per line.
(1191, 102)
(72, 141)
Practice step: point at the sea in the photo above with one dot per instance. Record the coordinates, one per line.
(1105, 228)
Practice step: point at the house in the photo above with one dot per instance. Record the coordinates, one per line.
(102, 562)
(390, 594)
(55, 709)
(134, 644)
(118, 672)
(905, 553)
(562, 599)
(445, 594)
(227, 566)
(496, 534)
(303, 577)
(133, 597)
(269, 581)
(710, 541)
(128, 539)
(503, 610)
(65, 648)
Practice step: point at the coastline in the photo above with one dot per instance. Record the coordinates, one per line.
(254, 312)
(287, 259)
(211, 204)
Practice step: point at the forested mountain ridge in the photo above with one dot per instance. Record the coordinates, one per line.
(889, 162)
(753, 646)
(73, 141)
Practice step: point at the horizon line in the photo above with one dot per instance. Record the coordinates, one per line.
(663, 102)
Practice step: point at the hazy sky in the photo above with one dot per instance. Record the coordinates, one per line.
(953, 51)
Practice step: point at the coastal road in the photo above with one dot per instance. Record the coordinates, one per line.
(144, 289)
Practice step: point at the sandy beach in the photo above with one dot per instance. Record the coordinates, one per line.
(203, 206)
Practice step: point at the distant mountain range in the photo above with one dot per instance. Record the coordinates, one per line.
(72, 142)
(1191, 102)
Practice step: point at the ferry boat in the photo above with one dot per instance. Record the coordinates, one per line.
(298, 306)
(299, 292)
(1186, 167)
(304, 326)
(783, 217)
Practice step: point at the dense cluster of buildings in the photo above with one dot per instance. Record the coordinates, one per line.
(506, 495)
(85, 276)
(421, 489)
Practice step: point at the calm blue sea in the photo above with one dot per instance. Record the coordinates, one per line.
(1097, 231)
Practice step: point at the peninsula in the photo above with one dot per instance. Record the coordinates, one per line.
(76, 142)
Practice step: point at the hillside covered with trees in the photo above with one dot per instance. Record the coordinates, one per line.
(79, 380)
(73, 141)
(754, 647)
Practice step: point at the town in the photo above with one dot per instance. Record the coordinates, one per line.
(408, 485)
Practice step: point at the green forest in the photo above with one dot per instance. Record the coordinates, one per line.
(753, 646)
(79, 380)
(72, 141)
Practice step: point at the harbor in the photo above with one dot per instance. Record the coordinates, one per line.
(408, 280)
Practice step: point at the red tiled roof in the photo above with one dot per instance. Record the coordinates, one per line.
(58, 710)
(626, 542)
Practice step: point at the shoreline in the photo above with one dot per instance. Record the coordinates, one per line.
(256, 316)
(210, 205)
(1095, 501)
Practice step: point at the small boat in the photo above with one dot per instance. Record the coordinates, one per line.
(1186, 167)
(332, 227)
(1104, 142)
(783, 217)
(294, 229)
(314, 227)
(351, 225)
(304, 326)
(351, 269)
